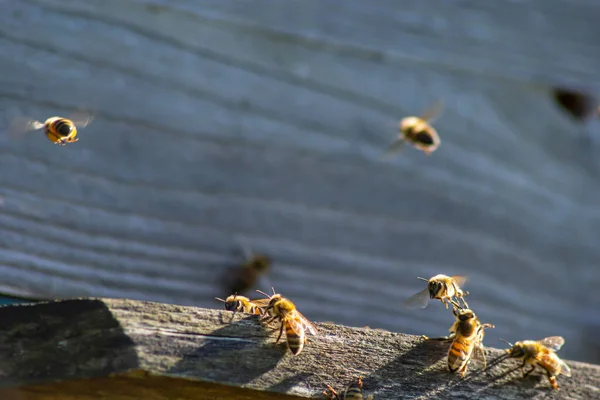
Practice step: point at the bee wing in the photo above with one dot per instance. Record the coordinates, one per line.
(393, 148)
(21, 125)
(434, 111)
(418, 300)
(262, 303)
(306, 323)
(460, 279)
(554, 343)
(81, 118)
(566, 370)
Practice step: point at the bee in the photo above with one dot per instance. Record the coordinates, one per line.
(243, 304)
(577, 104)
(418, 132)
(295, 324)
(58, 130)
(542, 353)
(354, 391)
(466, 335)
(243, 278)
(441, 287)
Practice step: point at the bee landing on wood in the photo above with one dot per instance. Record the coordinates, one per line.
(542, 353)
(296, 325)
(466, 335)
(354, 391)
(441, 287)
(418, 132)
(58, 130)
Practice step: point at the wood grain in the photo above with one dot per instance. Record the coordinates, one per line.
(227, 121)
(123, 349)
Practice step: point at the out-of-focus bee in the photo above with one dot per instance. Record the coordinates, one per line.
(542, 353)
(441, 287)
(243, 278)
(418, 132)
(354, 391)
(243, 304)
(578, 104)
(467, 335)
(58, 130)
(295, 324)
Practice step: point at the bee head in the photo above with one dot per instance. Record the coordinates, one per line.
(465, 314)
(65, 129)
(435, 287)
(232, 303)
(516, 351)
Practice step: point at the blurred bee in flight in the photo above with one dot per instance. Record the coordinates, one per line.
(466, 335)
(441, 287)
(58, 130)
(296, 325)
(542, 353)
(240, 279)
(354, 391)
(418, 132)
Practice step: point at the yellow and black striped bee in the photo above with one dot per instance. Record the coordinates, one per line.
(418, 132)
(354, 391)
(441, 287)
(466, 334)
(243, 304)
(240, 279)
(295, 324)
(542, 353)
(58, 130)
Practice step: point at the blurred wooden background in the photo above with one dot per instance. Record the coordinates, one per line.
(262, 121)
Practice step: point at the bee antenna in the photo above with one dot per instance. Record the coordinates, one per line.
(273, 289)
(423, 279)
(507, 342)
(220, 299)
(263, 293)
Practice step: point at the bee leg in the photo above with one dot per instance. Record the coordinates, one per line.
(280, 333)
(454, 303)
(528, 372)
(333, 393)
(480, 347)
(463, 300)
(553, 382)
(440, 339)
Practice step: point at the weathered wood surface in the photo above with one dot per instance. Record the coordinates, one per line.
(128, 349)
(264, 121)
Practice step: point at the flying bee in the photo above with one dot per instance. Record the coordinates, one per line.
(542, 353)
(354, 391)
(466, 334)
(418, 132)
(295, 324)
(58, 130)
(441, 287)
(243, 278)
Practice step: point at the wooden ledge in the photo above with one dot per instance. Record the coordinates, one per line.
(124, 349)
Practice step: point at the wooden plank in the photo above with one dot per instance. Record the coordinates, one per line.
(211, 130)
(126, 349)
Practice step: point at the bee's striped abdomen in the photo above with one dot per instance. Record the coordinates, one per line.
(354, 392)
(60, 130)
(295, 341)
(458, 354)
